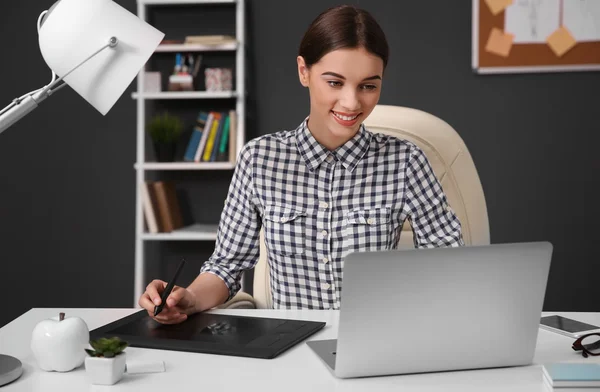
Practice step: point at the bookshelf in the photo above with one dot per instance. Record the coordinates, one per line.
(185, 166)
(144, 167)
(195, 232)
(185, 95)
(195, 48)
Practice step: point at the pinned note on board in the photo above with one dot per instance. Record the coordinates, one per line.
(497, 6)
(499, 42)
(561, 41)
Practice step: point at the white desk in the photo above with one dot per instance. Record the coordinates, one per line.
(297, 369)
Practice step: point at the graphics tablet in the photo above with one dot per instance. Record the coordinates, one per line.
(255, 337)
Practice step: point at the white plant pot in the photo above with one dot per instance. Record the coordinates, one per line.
(105, 371)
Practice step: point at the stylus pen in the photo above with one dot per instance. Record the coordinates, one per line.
(165, 294)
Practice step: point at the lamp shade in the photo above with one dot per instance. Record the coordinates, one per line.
(73, 30)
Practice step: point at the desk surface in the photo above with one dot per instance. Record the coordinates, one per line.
(298, 369)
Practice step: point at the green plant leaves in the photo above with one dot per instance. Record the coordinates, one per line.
(122, 346)
(165, 128)
(97, 344)
(107, 347)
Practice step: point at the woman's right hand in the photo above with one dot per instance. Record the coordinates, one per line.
(180, 303)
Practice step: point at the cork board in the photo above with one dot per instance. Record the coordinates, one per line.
(535, 35)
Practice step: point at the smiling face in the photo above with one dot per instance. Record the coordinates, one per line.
(344, 87)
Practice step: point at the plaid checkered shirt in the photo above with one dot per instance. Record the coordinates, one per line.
(317, 205)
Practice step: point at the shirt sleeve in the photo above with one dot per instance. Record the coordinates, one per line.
(433, 221)
(237, 246)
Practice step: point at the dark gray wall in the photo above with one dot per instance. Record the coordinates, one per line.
(67, 180)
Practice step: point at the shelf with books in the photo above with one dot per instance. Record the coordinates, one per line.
(185, 166)
(168, 48)
(185, 95)
(213, 138)
(163, 216)
(195, 232)
(199, 43)
(183, 2)
(217, 35)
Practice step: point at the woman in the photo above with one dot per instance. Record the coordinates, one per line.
(322, 190)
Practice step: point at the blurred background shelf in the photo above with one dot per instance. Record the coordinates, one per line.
(183, 2)
(185, 166)
(183, 20)
(167, 48)
(195, 232)
(185, 95)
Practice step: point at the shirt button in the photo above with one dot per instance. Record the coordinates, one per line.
(282, 219)
(324, 233)
(329, 158)
(325, 260)
(370, 221)
(323, 204)
(325, 286)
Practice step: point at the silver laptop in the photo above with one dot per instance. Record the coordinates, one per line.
(427, 310)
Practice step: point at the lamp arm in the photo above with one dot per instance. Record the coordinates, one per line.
(21, 106)
(112, 42)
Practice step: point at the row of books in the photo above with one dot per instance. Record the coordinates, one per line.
(162, 213)
(201, 40)
(213, 138)
(209, 39)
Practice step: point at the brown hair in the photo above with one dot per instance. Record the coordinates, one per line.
(342, 27)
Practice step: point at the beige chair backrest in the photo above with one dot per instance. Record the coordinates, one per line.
(451, 162)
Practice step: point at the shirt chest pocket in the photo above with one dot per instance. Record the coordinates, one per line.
(367, 229)
(285, 230)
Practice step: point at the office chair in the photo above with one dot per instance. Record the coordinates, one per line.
(452, 164)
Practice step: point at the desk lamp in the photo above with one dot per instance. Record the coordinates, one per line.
(97, 47)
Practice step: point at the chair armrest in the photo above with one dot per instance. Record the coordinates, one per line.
(240, 301)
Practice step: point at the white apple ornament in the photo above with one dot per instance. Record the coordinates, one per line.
(59, 343)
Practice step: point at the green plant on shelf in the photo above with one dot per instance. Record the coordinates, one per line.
(165, 130)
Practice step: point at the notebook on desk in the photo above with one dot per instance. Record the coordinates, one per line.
(562, 375)
(255, 337)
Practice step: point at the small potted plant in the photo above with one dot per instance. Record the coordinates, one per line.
(165, 131)
(105, 364)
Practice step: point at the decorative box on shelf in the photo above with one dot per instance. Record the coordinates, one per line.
(152, 82)
(218, 79)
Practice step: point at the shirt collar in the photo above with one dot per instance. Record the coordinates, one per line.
(349, 154)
